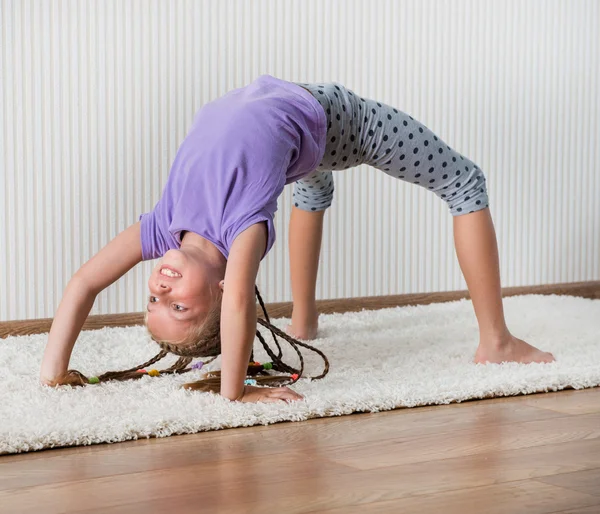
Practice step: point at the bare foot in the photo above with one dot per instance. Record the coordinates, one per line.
(306, 330)
(512, 349)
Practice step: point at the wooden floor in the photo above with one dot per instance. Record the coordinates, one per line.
(529, 454)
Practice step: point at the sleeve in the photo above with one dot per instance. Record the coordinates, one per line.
(154, 244)
(314, 192)
(237, 228)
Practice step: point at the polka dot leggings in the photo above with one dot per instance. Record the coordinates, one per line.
(362, 131)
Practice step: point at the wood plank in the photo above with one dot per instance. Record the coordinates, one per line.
(527, 496)
(284, 309)
(585, 401)
(480, 439)
(587, 481)
(293, 483)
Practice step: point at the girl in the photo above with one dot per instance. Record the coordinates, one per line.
(214, 224)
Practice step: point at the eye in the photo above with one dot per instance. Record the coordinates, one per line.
(153, 299)
(179, 308)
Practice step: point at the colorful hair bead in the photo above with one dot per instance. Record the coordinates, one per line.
(295, 376)
(198, 365)
(154, 373)
(268, 365)
(141, 371)
(250, 382)
(93, 380)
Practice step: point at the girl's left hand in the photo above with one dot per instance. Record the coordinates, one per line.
(253, 394)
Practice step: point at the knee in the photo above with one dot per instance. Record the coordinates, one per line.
(467, 195)
(311, 200)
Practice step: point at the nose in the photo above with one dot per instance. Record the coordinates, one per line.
(158, 286)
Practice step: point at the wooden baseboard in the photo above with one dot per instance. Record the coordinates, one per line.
(284, 309)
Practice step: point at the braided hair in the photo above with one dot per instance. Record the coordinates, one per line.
(205, 342)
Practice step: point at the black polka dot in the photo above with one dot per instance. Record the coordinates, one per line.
(444, 164)
(417, 163)
(435, 138)
(405, 123)
(378, 104)
(431, 169)
(458, 173)
(478, 202)
(403, 168)
(410, 136)
(402, 157)
(385, 138)
(333, 139)
(430, 157)
(440, 150)
(320, 92)
(333, 152)
(421, 130)
(400, 144)
(371, 132)
(458, 184)
(395, 129)
(355, 151)
(296, 204)
(445, 177)
(389, 116)
(432, 181)
(453, 159)
(375, 156)
(459, 209)
(373, 146)
(338, 117)
(426, 143)
(373, 111)
(334, 163)
(417, 175)
(416, 150)
(352, 137)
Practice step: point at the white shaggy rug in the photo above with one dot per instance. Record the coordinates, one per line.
(380, 360)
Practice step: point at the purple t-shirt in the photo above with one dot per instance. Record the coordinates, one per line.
(240, 152)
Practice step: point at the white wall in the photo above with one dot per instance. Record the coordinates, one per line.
(96, 95)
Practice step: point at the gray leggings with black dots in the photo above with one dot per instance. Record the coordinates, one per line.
(363, 131)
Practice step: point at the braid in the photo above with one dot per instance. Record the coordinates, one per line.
(205, 341)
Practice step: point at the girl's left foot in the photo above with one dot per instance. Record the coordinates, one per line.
(510, 349)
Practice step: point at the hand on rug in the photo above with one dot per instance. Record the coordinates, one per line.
(253, 394)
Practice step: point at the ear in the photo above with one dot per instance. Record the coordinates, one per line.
(221, 285)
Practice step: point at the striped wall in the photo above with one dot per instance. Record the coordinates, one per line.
(96, 95)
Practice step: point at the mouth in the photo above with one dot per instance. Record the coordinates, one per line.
(167, 271)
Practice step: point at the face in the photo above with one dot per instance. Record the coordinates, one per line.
(181, 291)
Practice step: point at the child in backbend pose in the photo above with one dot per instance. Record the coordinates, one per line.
(214, 224)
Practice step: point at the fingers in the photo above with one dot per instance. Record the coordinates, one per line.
(284, 393)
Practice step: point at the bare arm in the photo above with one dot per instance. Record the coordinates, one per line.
(109, 264)
(238, 319)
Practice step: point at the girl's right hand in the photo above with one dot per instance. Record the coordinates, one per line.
(253, 394)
